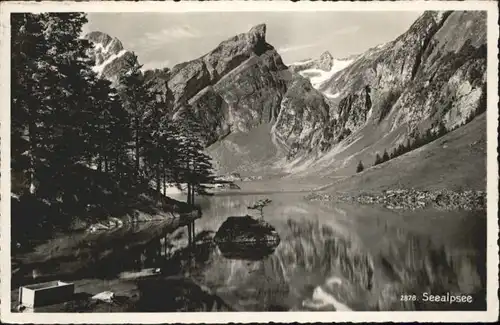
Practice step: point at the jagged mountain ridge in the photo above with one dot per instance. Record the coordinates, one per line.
(418, 62)
(240, 85)
(435, 72)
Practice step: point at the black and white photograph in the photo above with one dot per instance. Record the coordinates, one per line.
(252, 160)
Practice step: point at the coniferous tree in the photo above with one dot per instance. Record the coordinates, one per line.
(50, 88)
(196, 168)
(161, 147)
(113, 131)
(378, 160)
(139, 101)
(56, 101)
(63, 117)
(71, 135)
(29, 72)
(360, 167)
(441, 129)
(385, 156)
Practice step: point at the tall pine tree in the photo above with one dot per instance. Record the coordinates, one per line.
(139, 102)
(196, 168)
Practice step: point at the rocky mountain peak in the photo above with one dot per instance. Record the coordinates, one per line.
(324, 62)
(258, 33)
(105, 44)
(326, 55)
(109, 54)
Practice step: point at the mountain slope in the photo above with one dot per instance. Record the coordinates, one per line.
(455, 162)
(433, 75)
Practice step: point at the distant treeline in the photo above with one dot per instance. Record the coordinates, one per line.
(427, 137)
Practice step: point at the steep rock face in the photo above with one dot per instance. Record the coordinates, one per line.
(234, 88)
(189, 78)
(303, 117)
(110, 57)
(324, 62)
(451, 77)
(211, 112)
(253, 92)
(157, 80)
(434, 72)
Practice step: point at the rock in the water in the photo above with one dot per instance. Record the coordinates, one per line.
(247, 231)
(106, 296)
(247, 251)
(246, 238)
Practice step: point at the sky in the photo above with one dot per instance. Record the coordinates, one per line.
(165, 39)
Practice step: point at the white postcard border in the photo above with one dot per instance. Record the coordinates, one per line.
(245, 317)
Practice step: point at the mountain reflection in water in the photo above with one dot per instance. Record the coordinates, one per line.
(342, 258)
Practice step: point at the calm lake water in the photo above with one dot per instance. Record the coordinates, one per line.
(331, 256)
(344, 257)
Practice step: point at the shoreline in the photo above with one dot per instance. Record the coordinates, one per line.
(411, 199)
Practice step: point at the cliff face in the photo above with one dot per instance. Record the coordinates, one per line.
(235, 87)
(434, 72)
(303, 117)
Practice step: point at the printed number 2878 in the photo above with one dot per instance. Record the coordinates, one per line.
(408, 298)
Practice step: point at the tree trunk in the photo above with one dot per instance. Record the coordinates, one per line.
(106, 164)
(137, 162)
(99, 164)
(164, 184)
(158, 181)
(117, 166)
(32, 145)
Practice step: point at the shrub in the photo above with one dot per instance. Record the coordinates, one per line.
(259, 206)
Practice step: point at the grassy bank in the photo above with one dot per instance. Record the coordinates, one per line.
(455, 162)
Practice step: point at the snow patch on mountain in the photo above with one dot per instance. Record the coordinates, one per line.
(318, 76)
(100, 68)
(303, 62)
(332, 96)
